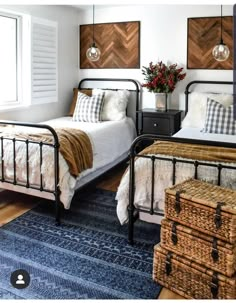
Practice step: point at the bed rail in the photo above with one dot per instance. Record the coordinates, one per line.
(55, 145)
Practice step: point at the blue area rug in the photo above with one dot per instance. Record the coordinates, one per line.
(87, 257)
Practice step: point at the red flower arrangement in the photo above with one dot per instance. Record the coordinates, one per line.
(161, 78)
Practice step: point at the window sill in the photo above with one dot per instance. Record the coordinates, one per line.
(22, 106)
(13, 108)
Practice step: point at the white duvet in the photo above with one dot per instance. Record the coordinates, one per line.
(163, 177)
(109, 140)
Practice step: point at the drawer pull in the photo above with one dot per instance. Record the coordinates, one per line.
(155, 124)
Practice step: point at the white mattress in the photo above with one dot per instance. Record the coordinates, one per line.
(110, 141)
(196, 133)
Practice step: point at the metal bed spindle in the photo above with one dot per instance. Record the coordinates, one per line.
(27, 163)
(14, 160)
(41, 163)
(2, 158)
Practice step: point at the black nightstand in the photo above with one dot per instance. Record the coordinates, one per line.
(156, 122)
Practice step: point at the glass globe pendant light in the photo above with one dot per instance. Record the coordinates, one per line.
(221, 51)
(93, 53)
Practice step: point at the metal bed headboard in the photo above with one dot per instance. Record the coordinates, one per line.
(187, 89)
(134, 82)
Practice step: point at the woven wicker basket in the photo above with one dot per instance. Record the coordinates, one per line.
(189, 279)
(206, 250)
(200, 205)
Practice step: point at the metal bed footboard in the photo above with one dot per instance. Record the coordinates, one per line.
(55, 145)
(133, 211)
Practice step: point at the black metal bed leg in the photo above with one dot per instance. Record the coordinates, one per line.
(58, 206)
(58, 213)
(131, 226)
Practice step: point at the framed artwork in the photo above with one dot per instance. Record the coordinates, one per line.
(119, 44)
(203, 35)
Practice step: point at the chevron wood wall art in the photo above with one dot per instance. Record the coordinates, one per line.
(119, 44)
(203, 35)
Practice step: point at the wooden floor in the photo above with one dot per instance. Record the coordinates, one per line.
(13, 205)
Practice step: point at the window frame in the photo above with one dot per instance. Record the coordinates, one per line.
(18, 18)
(24, 80)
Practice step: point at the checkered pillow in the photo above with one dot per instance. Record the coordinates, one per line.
(88, 109)
(219, 119)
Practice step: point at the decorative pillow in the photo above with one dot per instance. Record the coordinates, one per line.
(219, 119)
(115, 104)
(88, 109)
(87, 92)
(196, 114)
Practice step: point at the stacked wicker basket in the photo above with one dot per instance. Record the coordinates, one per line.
(197, 254)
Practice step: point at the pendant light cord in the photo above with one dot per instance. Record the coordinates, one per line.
(93, 23)
(221, 40)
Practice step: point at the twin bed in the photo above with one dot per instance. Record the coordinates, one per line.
(32, 157)
(35, 164)
(199, 150)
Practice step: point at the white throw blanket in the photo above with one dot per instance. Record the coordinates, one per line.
(163, 179)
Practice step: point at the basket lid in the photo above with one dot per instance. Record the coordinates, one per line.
(205, 193)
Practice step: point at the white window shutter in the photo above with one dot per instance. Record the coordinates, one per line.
(44, 63)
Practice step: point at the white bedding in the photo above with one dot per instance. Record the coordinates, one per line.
(196, 133)
(109, 139)
(163, 176)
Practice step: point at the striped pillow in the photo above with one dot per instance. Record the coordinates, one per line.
(88, 109)
(219, 119)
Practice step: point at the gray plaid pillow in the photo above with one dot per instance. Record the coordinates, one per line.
(88, 109)
(219, 119)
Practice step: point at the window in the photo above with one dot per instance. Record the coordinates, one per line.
(28, 60)
(8, 59)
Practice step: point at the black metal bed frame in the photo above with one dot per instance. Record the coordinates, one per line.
(133, 212)
(55, 145)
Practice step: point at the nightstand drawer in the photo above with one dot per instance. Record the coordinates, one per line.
(156, 125)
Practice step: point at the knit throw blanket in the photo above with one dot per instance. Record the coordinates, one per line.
(192, 151)
(75, 145)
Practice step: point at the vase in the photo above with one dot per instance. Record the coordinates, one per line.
(161, 101)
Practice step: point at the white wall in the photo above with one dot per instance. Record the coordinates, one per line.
(163, 37)
(67, 18)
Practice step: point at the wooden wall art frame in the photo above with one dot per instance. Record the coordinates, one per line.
(203, 35)
(119, 44)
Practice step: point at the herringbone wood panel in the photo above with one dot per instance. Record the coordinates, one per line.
(118, 42)
(203, 35)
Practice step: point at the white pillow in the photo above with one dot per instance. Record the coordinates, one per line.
(115, 104)
(196, 114)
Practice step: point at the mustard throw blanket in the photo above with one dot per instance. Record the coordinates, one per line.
(192, 151)
(75, 145)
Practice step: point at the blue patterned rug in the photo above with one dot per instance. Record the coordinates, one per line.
(87, 257)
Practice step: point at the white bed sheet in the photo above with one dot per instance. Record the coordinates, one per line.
(196, 133)
(110, 141)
